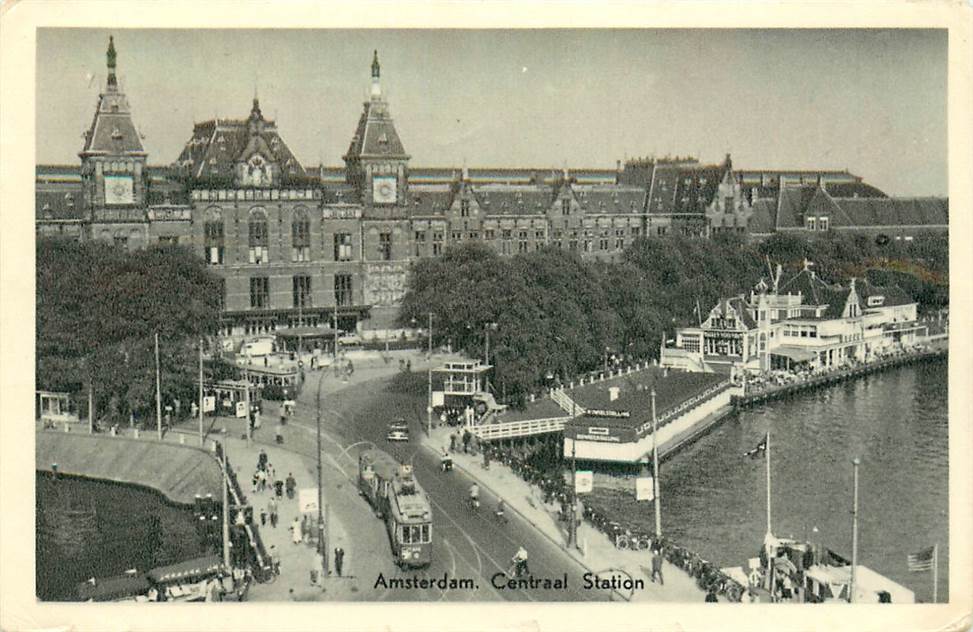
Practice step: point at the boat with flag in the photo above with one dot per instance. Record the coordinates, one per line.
(790, 570)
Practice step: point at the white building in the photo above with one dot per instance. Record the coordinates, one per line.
(802, 323)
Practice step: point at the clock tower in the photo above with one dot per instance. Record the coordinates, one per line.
(376, 163)
(113, 173)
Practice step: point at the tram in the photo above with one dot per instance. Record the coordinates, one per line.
(392, 490)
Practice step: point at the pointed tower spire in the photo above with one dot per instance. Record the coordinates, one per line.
(376, 77)
(111, 55)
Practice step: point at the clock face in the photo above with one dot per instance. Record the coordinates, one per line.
(119, 190)
(384, 190)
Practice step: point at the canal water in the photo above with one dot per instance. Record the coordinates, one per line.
(714, 499)
(88, 528)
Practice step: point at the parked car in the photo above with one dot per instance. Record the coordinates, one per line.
(398, 431)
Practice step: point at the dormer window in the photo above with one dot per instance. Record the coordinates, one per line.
(464, 208)
(383, 138)
(117, 135)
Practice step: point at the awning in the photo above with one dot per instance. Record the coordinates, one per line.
(114, 588)
(797, 354)
(187, 570)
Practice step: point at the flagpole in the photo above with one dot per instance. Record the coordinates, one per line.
(769, 531)
(854, 536)
(935, 573)
(158, 390)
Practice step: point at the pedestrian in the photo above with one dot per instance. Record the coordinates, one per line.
(657, 566)
(351, 368)
(408, 366)
(296, 530)
(270, 474)
(466, 441)
(279, 489)
(254, 482)
(305, 532)
(261, 480)
(452, 441)
(274, 559)
(256, 418)
(279, 435)
(339, 559)
(291, 485)
(263, 517)
(272, 510)
(262, 459)
(711, 597)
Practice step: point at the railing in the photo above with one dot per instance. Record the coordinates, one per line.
(565, 402)
(524, 428)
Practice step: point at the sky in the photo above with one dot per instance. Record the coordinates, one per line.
(869, 101)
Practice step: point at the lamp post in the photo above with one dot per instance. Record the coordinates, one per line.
(655, 471)
(429, 381)
(322, 531)
(486, 353)
(854, 535)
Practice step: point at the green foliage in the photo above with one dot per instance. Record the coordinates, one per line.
(556, 314)
(98, 308)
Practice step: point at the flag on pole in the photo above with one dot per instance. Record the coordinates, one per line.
(759, 450)
(921, 560)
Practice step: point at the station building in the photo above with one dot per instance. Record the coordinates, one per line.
(332, 246)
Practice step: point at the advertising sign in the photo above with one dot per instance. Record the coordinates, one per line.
(584, 482)
(644, 489)
(241, 409)
(307, 500)
(209, 404)
(438, 398)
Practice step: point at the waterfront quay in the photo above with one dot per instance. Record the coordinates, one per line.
(754, 394)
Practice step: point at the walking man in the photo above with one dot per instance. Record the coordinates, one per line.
(272, 510)
(657, 566)
(339, 559)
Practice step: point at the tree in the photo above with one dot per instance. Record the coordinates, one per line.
(98, 308)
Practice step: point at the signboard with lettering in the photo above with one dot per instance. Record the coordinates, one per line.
(584, 482)
(644, 488)
(209, 404)
(616, 414)
(241, 409)
(438, 398)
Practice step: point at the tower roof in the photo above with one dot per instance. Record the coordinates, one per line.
(375, 136)
(112, 131)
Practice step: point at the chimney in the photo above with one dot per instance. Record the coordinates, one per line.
(613, 393)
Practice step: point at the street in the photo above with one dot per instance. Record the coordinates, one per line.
(467, 545)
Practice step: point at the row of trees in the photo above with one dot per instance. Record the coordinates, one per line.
(98, 309)
(548, 313)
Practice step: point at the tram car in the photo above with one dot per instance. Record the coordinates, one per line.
(392, 490)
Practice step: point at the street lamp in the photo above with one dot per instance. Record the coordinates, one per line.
(486, 353)
(322, 532)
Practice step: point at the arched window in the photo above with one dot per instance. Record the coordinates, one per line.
(213, 236)
(259, 239)
(301, 235)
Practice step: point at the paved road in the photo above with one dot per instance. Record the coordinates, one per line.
(466, 544)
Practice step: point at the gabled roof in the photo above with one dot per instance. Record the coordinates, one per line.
(892, 295)
(501, 199)
(59, 202)
(836, 300)
(217, 145)
(680, 188)
(430, 199)
(609, 199)
(808, 284)
(894, 211)
(793, 201)
(764, 216)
